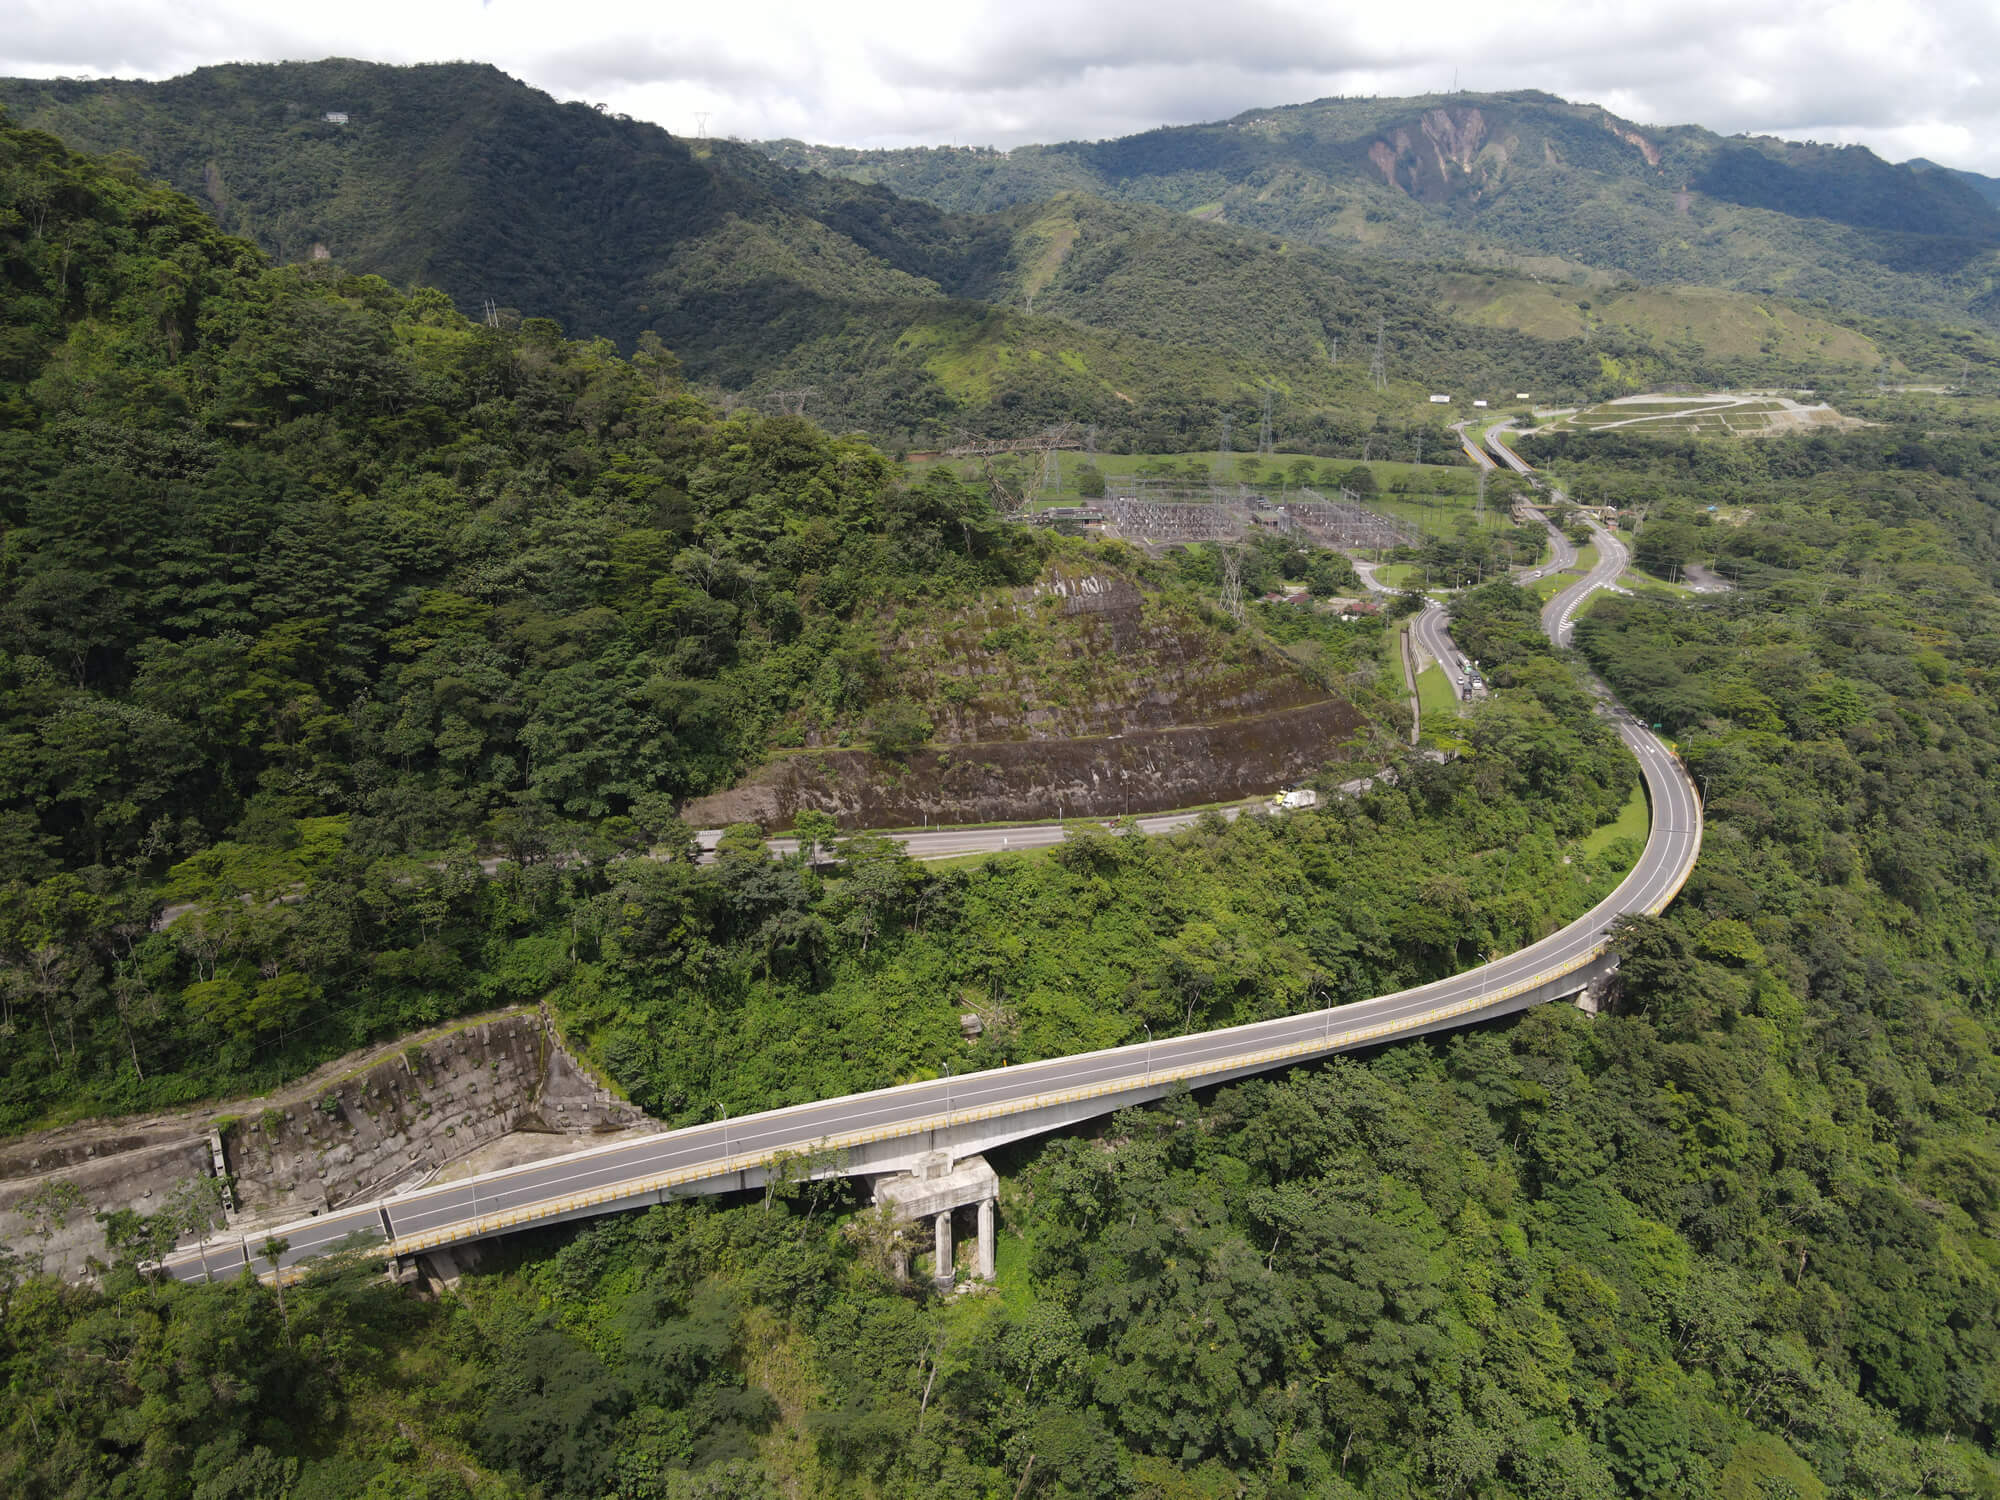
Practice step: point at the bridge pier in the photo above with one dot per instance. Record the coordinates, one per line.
(935, 1191)
(942, 1270)
(984, 1265)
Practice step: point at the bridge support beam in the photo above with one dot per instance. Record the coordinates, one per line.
(941, 1267)
(985, 1262)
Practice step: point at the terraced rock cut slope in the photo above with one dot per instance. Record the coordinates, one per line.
(892, 1130)
(1084, 694)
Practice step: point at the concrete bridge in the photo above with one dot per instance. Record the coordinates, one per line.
(901, 1132)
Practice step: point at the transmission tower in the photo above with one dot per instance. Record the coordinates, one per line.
(701, 124)
(1377, 376)
(1232, 582)
(1224, 450)
(1420, 447)
(1264, 443)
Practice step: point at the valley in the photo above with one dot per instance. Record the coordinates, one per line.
(896, 822)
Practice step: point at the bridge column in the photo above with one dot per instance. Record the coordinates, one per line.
(986, 1207)
(941, 1270)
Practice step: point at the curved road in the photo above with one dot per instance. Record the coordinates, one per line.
(1432, 630)
(633, 1173)
(1559, 614)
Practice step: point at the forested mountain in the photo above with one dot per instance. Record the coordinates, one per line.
(1987, 187)
(877, 311)
(313, 591)
(1522, 179)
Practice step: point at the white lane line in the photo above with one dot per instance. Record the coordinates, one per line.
(802, 1124)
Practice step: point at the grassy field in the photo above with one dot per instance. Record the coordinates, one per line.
(1640, 581)
(1435, 694)
(1439, 515)
(1547, 588)
(1634, 821)
(1392, 661)
(1725, 324)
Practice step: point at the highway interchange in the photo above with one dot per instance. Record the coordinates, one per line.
(635, 1172)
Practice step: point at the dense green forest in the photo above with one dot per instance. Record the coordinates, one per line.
(313, 591)
(317, 593)
(1145, 320)
(1736, 1237)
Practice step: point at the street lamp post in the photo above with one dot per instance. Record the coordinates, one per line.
(1149, 1050)
(725, 1128)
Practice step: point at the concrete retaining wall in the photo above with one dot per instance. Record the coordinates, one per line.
(404, 1118)
(361, 1135)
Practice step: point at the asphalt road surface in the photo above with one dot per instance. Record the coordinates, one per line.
(1432, 629)
(448, 1210)
(630, 1170)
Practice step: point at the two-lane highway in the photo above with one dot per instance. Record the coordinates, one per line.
(704, 1157)
(1559, 614)
(1432, 631)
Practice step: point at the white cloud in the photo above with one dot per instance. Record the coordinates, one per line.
(1903, 76)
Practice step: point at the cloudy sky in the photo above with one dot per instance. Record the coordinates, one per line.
(1907, 77)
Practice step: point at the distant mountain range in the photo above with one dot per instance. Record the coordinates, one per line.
(1524, 180)
(1152, 287)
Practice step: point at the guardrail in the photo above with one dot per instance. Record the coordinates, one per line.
(728, 1166)
(656, 1185)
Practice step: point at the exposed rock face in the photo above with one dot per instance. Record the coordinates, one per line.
(1457, 135)
(134, 1170)
(1632, 138)
(381, 1126)
(1440, 158)
(1012, 780)
(402, 1119)
(1081, 695)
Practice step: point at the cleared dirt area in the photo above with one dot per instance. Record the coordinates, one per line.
(1718, 414)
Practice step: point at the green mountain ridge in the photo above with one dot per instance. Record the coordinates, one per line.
(804, 290)
(316, 589)
(1987, 187)
(1518, 177)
